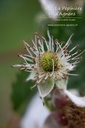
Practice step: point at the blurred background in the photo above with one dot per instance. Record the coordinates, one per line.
(19, 20)
(16, 23)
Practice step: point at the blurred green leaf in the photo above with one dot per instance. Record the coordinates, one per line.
(21, 93)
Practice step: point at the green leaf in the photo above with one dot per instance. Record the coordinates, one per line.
(21, 93)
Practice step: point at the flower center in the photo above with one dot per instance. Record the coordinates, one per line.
(46, 61)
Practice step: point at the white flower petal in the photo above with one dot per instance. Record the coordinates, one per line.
(31, 117)
(79, 101)
(49, 7)
(46, 88)
(31, 76)
(62, 84)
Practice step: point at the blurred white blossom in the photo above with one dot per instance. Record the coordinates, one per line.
(52, 7)
(66, 114)
(35, 114)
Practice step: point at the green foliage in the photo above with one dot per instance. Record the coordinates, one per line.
(21, 93)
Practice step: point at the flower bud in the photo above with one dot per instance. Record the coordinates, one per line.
(59, 99)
